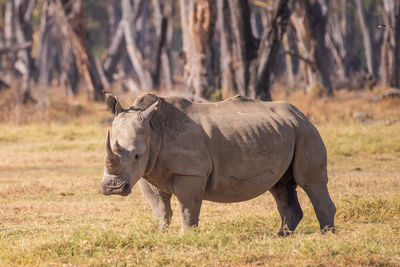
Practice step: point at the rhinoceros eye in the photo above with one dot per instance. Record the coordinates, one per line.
(136, 156)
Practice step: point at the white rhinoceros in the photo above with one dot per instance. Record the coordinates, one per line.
(228, 151)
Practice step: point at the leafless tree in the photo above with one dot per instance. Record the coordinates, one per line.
(197, 22)
(367, 41)
(161, 65)
(63, 39)
(390, 52)
(246, 62)
(150, 72)
(315, 19)
(18, 43)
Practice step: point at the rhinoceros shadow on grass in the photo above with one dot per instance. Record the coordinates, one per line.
(228, 151)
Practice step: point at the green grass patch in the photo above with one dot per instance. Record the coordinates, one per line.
(353, 139)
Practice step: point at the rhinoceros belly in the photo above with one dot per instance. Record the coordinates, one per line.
(236, 189)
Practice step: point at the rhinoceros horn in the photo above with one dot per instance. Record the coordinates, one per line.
(111, 157)
(108, 145)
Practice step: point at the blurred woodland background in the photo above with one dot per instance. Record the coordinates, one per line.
(209, 49)
(337, 61)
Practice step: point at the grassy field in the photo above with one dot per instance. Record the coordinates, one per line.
(52, 212)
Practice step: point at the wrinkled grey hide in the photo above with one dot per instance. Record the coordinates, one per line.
(228, 151)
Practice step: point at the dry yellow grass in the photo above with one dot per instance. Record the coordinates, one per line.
(52, 212)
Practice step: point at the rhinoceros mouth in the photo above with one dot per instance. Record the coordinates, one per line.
(116, 188)
(114, 184)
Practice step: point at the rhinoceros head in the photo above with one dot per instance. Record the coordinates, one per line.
(127, 151)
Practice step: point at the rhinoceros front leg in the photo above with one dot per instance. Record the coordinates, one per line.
(159, 201)
(189, 190)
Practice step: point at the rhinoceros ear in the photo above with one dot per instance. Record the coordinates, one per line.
(150, 111)
(113, 104)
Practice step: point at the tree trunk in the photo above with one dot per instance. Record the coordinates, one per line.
(288, 61)
(55, 58)
(130, 14)
(244, 44)
(246, 62)
(114, 51)
(18, 33)
(197, 29)
(390, 51)
(114, 14)
(144, 28)
(70, 20)
(335, 41)
(228, 86)
(310, 21)
(115, 39)
(124, 39)
(24, 34)
(167, 53)
(9, 37)
(43, 54)
(161, 72)
(367, 41)
(268, 49)
(306, 63)
(69, 72)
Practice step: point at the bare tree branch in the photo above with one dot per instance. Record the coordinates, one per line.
(14, 48)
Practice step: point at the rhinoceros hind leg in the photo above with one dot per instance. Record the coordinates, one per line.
(160, 203)
(310, 173)
(317, 190)
(289, 208)
(323, 206)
